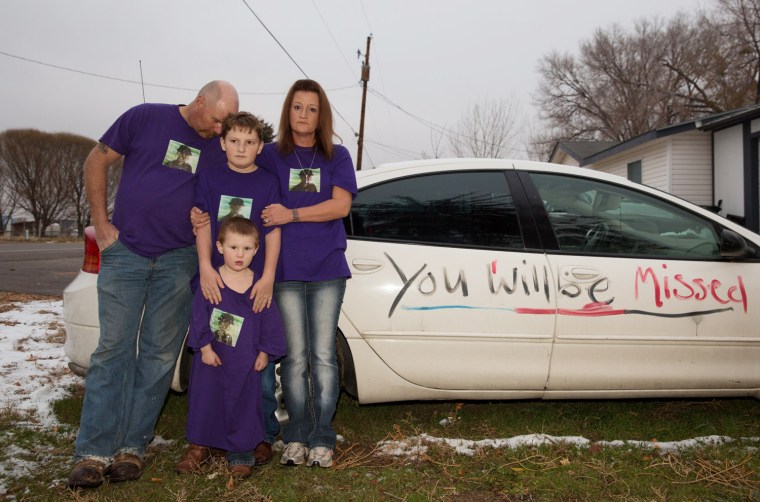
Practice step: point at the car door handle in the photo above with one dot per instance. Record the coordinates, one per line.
(366, 264)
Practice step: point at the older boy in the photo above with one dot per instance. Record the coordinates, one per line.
(241, 182)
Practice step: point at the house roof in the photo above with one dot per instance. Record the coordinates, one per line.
(580, 149)
(586, 154)
(728, 119)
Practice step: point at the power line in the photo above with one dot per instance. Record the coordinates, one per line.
(294, 61)
(451, 135)
(138, 82)
(324, 23)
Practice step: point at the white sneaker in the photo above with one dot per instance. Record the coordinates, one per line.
(320, 456)
(294, 454)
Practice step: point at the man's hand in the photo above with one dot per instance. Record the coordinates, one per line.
(198, 218)
(105, 235)
(211, 283)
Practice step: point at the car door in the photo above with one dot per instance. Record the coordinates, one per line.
(440, 273)
(645, 302)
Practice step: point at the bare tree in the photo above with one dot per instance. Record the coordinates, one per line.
(7, 198)
(41, 168)
(738, 23)
(623, 84)
(615, 89)
(436, 148)
(72, 150)
(487, 129)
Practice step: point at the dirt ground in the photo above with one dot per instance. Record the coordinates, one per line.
(7, 299)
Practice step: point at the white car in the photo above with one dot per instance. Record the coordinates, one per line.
(80, 314)
(497, 279)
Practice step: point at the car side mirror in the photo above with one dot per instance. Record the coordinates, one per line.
(733, 245)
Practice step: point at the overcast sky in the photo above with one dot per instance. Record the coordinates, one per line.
(431, 60)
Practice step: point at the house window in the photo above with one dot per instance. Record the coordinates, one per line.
(634, 171)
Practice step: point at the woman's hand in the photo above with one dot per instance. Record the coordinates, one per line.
(276, 214)
(261, 294)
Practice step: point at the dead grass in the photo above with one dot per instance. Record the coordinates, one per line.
(734, 476)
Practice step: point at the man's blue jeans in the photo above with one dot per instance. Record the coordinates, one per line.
(144, 309)
(309, 373)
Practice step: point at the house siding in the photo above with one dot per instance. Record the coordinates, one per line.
(689, 156)
(691, 167)
(729, 169)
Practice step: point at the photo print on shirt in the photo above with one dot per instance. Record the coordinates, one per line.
(179, 156)
(225, 326)
(231, 206)
(304, 180)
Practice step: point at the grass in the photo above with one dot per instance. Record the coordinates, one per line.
(560, 471)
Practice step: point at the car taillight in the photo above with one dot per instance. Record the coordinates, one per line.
(91, 262)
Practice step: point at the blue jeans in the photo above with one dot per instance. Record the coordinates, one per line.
(240, 458)
(144, 309)
(268, 389)
(309, 375)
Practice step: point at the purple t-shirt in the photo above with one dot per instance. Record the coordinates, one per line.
(162, 154)
(222, 192)
(311, 251)
(225, 401)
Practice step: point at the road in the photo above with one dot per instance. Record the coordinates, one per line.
(42, 268)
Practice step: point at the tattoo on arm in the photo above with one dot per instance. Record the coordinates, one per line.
(102, 148)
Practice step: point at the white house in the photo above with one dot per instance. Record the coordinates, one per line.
(711, 161)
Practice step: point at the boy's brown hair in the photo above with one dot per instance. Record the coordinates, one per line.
(241, 226)
(244, 121)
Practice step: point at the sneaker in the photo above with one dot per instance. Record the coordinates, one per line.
(294, 454)
(320, 456)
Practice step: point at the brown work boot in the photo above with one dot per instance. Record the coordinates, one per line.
(263, 453)
(125, 467)
(87, 473)
(195, 456)
(241, 471)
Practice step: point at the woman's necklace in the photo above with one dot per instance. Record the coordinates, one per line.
(312, 158)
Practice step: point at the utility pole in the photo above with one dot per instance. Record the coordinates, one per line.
(365, 79)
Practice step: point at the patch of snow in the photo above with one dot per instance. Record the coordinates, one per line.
(33, 369)
(415, 446)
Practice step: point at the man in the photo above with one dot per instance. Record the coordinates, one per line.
(147, 260)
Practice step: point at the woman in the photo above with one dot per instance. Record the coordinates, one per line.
(312, 269)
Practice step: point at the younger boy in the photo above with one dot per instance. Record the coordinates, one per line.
(225, 400)
(242, 186)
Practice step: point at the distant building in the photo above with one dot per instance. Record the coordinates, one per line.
(712, 161)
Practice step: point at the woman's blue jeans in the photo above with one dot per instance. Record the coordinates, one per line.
(144, 308)
(309, 373)
(269, 402)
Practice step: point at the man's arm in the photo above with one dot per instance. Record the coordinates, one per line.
(210, 280)
(96, 185)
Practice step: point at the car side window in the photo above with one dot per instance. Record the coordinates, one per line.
(467, 209)
(595, 217)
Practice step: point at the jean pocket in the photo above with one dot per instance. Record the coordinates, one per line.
(109, 247)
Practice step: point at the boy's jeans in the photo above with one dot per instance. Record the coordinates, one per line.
(144, 309)
(269, 399)
(310, 370)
